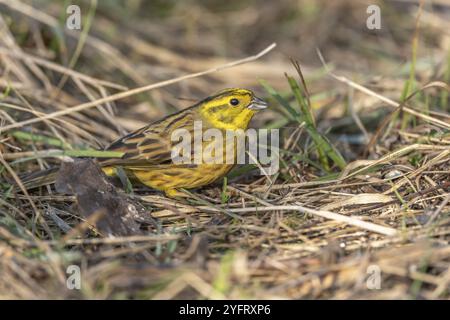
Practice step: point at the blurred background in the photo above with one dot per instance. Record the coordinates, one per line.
(133, 43)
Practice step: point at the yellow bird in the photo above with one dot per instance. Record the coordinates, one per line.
(147, 152)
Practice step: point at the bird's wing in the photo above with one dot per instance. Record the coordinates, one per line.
(150, 145)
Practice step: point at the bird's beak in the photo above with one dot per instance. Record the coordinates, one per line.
(257, 104)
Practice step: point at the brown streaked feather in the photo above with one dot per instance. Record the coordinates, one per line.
(150, 145)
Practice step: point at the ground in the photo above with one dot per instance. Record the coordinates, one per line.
(358, 209)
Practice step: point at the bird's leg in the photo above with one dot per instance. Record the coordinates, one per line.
(174, 193)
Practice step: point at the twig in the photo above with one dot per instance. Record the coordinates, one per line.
(438, 210)
(61, 69)
(131, 92)
(388, 101)
(324, 214)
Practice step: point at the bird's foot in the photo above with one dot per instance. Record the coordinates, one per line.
(174, 194)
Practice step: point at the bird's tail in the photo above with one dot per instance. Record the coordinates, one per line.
(45, 177)
(39, 178)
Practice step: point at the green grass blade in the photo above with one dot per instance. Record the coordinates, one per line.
(290, 112)
(324, 147)
(22, 135)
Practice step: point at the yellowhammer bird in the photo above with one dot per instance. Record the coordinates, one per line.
(147, 152)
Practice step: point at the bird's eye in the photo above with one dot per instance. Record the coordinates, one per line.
(234, 102)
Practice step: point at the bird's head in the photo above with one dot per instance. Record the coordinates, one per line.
(231, 108)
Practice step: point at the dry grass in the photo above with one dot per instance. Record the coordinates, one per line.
(311, 231)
